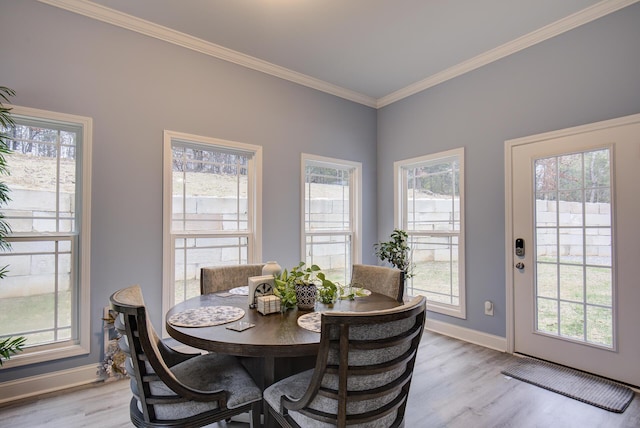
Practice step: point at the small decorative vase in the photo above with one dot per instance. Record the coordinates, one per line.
(306, 296)
(271, 268)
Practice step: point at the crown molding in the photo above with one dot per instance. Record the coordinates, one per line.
(129, 22)
(123, 20)
(577, 19)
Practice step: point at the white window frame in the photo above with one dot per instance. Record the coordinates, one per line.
(254, 203)
(400, 220)
(81, 256)
(355, 209)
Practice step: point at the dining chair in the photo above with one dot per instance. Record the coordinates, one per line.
(174, 389)
(219, 278)
(380, 279)
(362, 374)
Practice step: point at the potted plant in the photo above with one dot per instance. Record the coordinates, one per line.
(9, 345)
(396, 252)
(300, 286)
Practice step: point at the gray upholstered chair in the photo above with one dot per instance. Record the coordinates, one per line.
(362, 375)
(219, 278)
(380, 279)
(173, 389)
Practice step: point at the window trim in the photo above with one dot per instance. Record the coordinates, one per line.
(399, 215)
(70, 348)
(255, 203)
(355, 189)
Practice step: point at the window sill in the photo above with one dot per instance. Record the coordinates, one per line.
(41, 354)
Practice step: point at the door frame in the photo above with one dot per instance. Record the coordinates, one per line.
(509, 235)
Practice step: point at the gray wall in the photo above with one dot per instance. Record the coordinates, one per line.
(134, 87)
(589, 74)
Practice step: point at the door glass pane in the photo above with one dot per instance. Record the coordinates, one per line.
(574, 271)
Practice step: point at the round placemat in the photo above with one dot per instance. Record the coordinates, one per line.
(310, 321)
(362, 292)
(240, 291)
(206, 316)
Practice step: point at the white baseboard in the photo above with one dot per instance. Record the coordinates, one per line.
(49, 382)
(472, 336)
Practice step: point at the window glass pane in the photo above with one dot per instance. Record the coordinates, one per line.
(433, 199)
(570, 171)
(40, 293)
(432, 218)
(547, 319)
(192, 254)
(547, 244)
(210, 189)
(547, 280)
(332, 253)
(598, 213)
(597, 175)
(36, 295)
(600, 325)
(546, 176)
(211, 218)
(329, 206)
(571, 283)
(327, 198)
(572, 320)
(435, 271)
(42, 180)
(598, 246)
(599, 286)
(571, 245)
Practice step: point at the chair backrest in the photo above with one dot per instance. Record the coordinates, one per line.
(364, 368)
(219, 278)
(152, 382)
(380, 279)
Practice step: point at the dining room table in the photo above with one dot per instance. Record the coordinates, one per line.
(276, 345)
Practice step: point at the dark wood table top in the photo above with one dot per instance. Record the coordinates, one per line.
(274, 335)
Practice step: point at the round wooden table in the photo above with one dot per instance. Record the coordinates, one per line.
(277, 342)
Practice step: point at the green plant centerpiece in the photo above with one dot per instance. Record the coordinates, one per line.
(396, 252)
(303, 275)
(8, 345)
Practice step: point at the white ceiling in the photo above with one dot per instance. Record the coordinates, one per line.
(370, 51)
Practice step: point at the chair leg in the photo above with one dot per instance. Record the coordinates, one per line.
(254, 415)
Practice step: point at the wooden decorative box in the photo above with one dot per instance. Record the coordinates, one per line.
(268, 304)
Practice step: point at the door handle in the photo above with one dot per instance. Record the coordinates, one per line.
(520, 265)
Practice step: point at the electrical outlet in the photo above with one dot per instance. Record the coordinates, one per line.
(488, 308)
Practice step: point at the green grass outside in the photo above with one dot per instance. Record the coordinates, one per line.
(22, 314)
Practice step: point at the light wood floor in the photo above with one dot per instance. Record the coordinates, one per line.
(455, 385)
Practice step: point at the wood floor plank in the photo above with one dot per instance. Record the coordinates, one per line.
(455, 385)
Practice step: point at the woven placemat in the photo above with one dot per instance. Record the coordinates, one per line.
(310, 321)
(206, 316)
(575, 384)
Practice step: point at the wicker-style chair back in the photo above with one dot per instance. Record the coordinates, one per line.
(381, 279)
(219, 278)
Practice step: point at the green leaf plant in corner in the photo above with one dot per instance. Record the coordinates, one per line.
(396, 252)
(8, 345)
